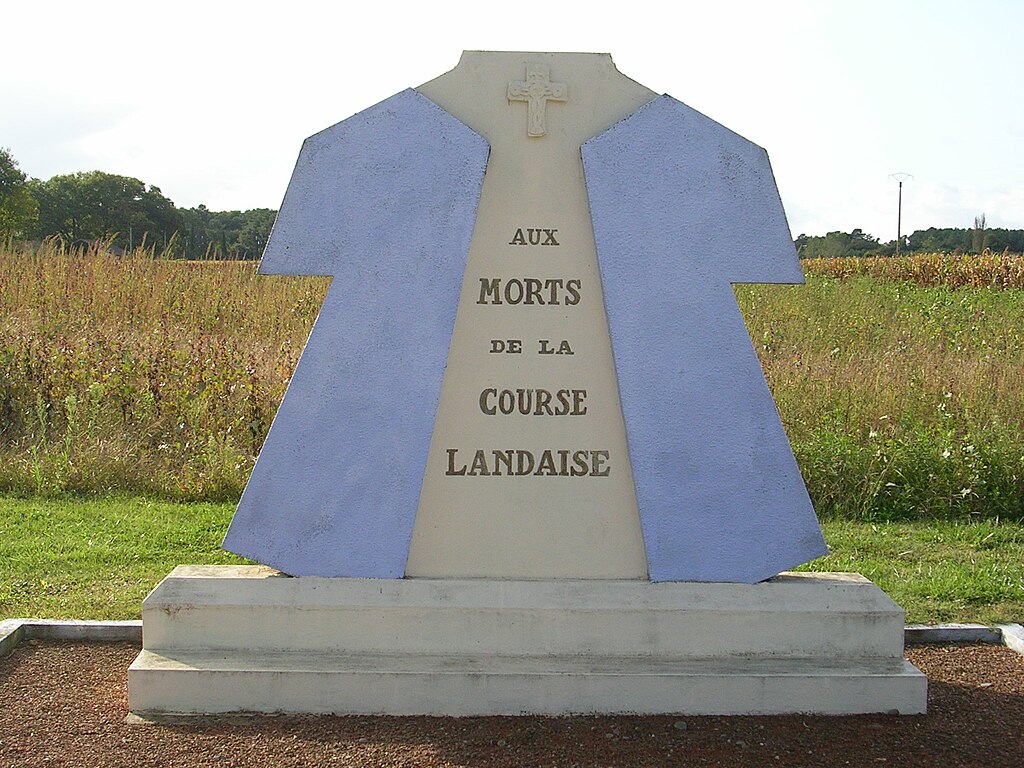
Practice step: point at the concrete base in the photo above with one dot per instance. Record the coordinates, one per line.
(247, 639)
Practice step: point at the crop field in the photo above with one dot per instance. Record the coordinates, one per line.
(1001, 271)
(900, 381)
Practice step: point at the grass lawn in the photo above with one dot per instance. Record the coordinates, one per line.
(98, 558)
(939, 571)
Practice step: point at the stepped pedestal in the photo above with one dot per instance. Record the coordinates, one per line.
(221, 639)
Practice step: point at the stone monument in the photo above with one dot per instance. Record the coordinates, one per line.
(528, 461)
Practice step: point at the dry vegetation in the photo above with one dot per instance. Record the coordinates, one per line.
(902, 397)
(989, 270)
(901, 384)
(141, 373)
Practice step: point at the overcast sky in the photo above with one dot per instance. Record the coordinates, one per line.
(210, 101)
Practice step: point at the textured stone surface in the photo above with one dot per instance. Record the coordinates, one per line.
(682, 208)
(384, 201)
(358, 479)
(531, 526)
(796, 615)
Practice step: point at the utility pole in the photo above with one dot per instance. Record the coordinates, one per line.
(900, 178)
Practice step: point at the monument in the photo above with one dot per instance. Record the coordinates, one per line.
(528, 461)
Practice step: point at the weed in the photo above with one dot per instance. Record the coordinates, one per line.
(903, 395)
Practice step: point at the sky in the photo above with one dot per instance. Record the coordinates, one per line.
(210, 101)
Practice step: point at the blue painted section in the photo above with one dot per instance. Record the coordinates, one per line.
(682, 208)
(386, 203)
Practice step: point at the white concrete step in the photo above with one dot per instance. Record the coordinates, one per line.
(222, 682)
(226, 639)
(798, 615)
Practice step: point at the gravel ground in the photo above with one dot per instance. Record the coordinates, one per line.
(65, 705)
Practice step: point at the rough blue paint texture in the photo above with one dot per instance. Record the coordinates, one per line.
(386, 203)
(682, 208)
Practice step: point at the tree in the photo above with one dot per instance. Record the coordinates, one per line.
(225, 234)
(98, 205)
(253, 237)
(837, 244)
(19, 210)
(936, 240)
(978, 234)
(998, 239)
(194, 235)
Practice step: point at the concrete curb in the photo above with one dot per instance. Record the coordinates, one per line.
(942, 634)
(1013, 637)
(15, 631)
(11, 632)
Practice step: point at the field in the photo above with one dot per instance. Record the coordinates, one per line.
(141, 374)
(135, 393)
(1001, 271)
(903, 398)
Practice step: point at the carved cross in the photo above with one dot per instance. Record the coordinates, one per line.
(537, 90)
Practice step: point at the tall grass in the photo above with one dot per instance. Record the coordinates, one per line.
(160, 377)
(901, 401)
(141, 373)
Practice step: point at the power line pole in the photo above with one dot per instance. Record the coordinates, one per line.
(900, 178)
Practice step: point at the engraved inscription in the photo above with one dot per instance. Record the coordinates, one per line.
(528, 474)
(530, 290)
(534, 237)
(533, 402)
(564, 348)
(519, 462)
(498, 401)
(506, 346)
(536, 90)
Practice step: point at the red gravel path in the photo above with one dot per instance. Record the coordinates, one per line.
(65, 705)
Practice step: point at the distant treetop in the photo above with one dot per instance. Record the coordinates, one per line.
(127, 213)
(976, 239)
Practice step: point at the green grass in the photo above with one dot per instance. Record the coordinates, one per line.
(98, 558)
(939, 571)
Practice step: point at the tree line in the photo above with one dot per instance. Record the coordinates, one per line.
(976, 239)
(84, 208)
(124, 213)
